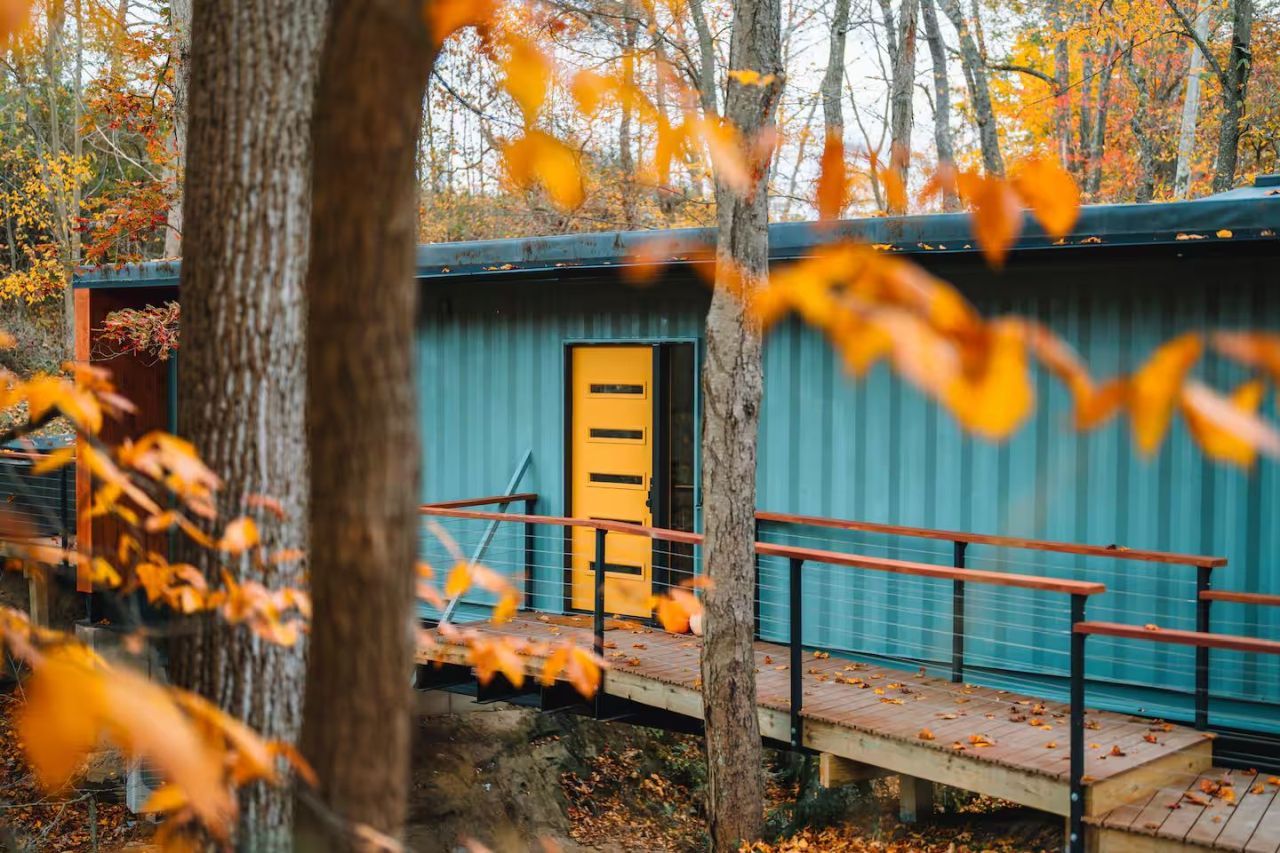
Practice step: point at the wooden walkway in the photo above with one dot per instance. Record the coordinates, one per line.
(1215, 810)
(990, 741)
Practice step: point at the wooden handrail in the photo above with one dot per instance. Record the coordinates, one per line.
(903, 567)
(770, 549)
(1180, 638)
(1111, 551)
(486, 501)
(1240, 597)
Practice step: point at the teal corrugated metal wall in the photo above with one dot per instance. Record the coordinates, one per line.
(492, 387)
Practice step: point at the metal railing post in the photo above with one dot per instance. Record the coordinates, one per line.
(1202, 652)
(796, 625)
(530, 505)
(598, 617)
(1075, 824)
(957, 615)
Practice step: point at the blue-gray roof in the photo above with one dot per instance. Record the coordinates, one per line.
(1247, 214)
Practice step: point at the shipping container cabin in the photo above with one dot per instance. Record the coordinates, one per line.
(542, 371)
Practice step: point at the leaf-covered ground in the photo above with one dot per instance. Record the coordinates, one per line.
(84, 818)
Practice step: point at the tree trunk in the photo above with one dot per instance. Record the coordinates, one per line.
(832, 88)
(1140, 123)
(179, 67)
(362, 413)
(1236, 74)
(242, 398)
(733, 386)
(941, 101)
(706, 58)
(1190, 108)
(975, 72)
(1062, 83)
(626, 162)
(902, 90)
(1098, 143)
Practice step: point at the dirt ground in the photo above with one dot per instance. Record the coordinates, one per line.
(517, 780)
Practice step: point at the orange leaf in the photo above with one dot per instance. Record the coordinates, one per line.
(542, 159)
(1254, 349)
(833, 180)
(997, 401)
(1098, 406)
(166, 798)
(459, 580)
(1229, 429)
(554, 665)
(504, 609)
(673, 616)
(526, 74)
(239, 536)
(1051, 194)
(997, 219)
(750, 77)
(445, 17)
(1156, 387)
(925, 734)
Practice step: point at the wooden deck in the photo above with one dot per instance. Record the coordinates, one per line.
(1215, 810)
(989, 741)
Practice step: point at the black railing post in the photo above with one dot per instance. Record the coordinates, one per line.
(797, 654)
(529, 505)
(598, 618)
(756, 603)
(1075, 825)
(64, 506)
(957, 615)
(1202, 652)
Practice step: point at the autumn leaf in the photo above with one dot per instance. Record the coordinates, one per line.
(459, 580)
(240, 535)
(895, 191)
(505, 609)
(1050, 192)
(526, 74)
(997, 219)
(1252, 349)
(749, 77)
(1229, 429)
(925, 734)
(538, 158)
(673, 616)
(1156, 388)
(833, 179)
(997, 401)
(445, 17)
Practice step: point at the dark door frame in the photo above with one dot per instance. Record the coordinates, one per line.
(661, 348)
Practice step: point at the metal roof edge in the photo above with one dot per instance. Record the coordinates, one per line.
(1246, 214)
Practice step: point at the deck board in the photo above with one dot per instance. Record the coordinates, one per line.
(909, 702)
(1248, 822)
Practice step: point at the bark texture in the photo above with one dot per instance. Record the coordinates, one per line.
(833, 79)
(180, 69)
(975, 74)
(942, 138)
(1190, 107)
(902, 89)
(362, 413)
(1098, 126)
(1140, 123)
(733, 385)
(1235, 86)
(242, 398)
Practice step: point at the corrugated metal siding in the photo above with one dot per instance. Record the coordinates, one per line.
(492, 375)
(492, 386)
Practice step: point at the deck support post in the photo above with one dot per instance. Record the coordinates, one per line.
(797, 654)
(1202, 652)
(1075, 820)
(915, 798)
(598, 615)
(957, 615)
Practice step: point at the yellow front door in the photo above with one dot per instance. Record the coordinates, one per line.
(611, 447)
